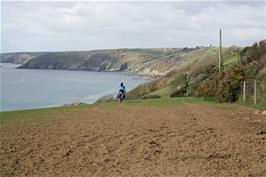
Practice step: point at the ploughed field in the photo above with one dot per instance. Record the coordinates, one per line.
(134, 140)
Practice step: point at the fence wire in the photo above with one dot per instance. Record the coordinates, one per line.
(253, 92)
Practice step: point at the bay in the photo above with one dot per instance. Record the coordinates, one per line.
(30, 88)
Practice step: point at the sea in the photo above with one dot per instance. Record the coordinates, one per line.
(33, 88)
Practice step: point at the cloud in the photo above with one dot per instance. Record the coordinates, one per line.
(54, 26)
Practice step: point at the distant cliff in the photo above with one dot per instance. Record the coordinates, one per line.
(18, 57)
(140, 61)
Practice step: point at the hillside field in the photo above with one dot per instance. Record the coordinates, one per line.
(160, 137)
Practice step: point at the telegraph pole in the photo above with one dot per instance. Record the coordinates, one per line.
(220, 50)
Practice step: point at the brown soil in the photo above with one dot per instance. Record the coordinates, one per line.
(190, 140)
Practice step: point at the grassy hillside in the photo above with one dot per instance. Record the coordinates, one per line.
(202, 78)
(190, 73)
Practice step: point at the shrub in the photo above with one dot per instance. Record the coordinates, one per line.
(225, 85)
(179, 92)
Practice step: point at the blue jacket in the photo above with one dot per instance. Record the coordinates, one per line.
(122, 88)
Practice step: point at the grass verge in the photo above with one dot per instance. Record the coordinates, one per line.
(231, 60)
(40, 113)
(169, 101)
(51, 113)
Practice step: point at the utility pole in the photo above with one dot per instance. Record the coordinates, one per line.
(244, 92)
(220, 50)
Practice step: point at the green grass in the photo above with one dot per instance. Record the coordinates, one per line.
(39, 114)
(176, 101)
(51, 113)
(164, 92)
(212, 51)
(231, 60)
(259, 105)
(169, 101)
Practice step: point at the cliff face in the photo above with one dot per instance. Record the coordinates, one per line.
(140, 61)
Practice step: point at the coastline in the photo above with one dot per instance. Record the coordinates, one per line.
(74, 91)
(145, 75)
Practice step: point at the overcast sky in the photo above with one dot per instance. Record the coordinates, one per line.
(61, 26)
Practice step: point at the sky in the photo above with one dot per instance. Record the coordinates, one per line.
(89, 25)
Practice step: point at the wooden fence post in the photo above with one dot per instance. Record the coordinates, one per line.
(244, 92)
(255, 92)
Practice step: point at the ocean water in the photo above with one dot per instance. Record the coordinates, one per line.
(30, 88)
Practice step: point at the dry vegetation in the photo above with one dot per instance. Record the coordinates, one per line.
(200, 76)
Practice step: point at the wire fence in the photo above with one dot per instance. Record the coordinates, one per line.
(253, 92)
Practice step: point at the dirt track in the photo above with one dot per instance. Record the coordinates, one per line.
(190, 140)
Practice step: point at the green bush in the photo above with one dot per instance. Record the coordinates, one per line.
(180, 92)
(225, 85)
